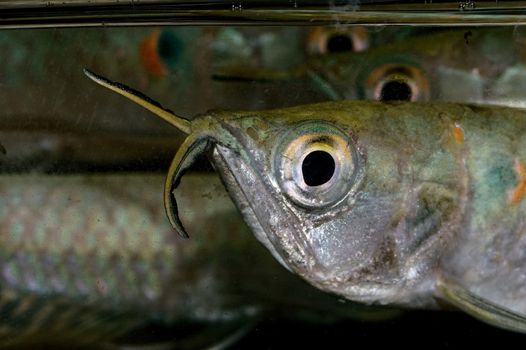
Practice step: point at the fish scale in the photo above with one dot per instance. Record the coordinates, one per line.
(124, 271)
(63, 264)
(56, 286)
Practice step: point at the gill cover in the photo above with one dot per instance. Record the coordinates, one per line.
(195, 144)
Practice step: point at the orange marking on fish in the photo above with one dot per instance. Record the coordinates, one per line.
(150, 55)
(458, 134)
(519, 191)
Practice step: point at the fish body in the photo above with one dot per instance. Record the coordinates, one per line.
(382, 203)
(467, 65)
(428, 199)
(421, 176)
(473, 60)
(90, 259)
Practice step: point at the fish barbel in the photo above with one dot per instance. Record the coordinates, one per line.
(87, 259)
(170, 63)
(382, 203)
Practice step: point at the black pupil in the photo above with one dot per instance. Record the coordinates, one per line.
(317, 168)
(339, 43)
(396, 90)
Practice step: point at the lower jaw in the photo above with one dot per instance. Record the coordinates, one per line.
(219, 159)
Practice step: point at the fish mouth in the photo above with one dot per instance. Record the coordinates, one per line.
(220, 155)
(272, 222)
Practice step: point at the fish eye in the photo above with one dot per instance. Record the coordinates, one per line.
(317, 168)
(396, 90)
(316, 164)
(322, 41)
(339, 43)
(397, 82)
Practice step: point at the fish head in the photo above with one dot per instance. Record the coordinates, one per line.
(293, 177)
(334, 191)
(322, 187)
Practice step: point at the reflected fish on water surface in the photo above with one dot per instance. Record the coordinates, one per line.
(403, 204)
(90, 259)
(467, 65)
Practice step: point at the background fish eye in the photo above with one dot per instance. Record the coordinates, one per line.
(396, 90)
(322, 40)
(397, 82)
(315, 165)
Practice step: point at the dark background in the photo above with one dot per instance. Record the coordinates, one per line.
(417, 328)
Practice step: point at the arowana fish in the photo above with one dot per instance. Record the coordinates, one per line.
(405, 204)
(472, 64)
(91, 259)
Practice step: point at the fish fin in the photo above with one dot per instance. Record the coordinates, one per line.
(481, 308)
(247, 73)
(191, 148)
(179, 122)
(242, 74)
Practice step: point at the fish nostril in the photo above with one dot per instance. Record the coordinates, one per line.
(318, 168)
(340, 43)
(396, 90)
